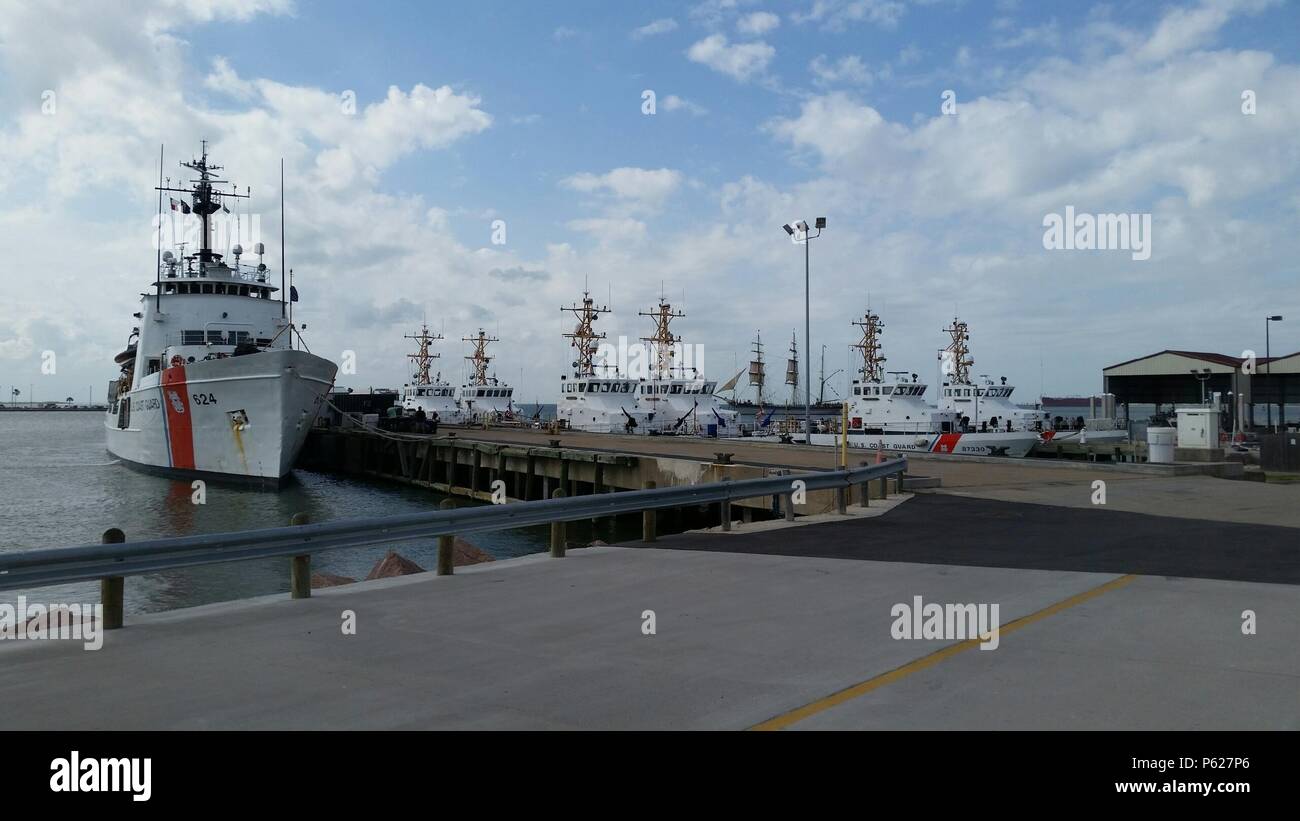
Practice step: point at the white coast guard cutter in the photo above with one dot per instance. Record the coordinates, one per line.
(210, 383)
(889, 410)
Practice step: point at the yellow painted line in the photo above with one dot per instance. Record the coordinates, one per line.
(821, 705)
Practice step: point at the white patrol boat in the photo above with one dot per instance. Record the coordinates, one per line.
(984, 405)
(889, 411)
(211, 383)
(432, 394)
(485, 399)
(677, 403)
(597, 404)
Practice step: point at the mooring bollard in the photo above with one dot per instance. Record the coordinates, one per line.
(300, 566)
(446, 546)
(648, 518)
(557, 531)
(112, 589)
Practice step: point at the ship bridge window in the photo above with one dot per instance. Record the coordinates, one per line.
(709, 386)
(675, 389)
(857, 391)
(481, 392)
(582, 387)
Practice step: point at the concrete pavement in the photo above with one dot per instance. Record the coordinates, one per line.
(740, 639)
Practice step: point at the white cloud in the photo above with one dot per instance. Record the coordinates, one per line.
(740, 61)
(837, 15)
(674, 103)
(1185, 28)
(661, 26)
(564, 33)
(758, 23)
(848, 70)
(642, 187)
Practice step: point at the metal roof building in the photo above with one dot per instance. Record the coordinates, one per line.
(1187, 377)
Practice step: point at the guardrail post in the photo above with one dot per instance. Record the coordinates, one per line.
(725, 507)
(787, 500)
(557, 531)
(884, 487)
(648, 518)
(446, 546)
(898, 482)
(112, 589)
(300, 566)
(842, 500)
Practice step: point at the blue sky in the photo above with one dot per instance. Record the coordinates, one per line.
(531, 113)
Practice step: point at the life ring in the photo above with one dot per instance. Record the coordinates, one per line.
(177, 361)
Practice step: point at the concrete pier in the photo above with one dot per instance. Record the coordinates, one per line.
(1170, 601)
(1109, 619)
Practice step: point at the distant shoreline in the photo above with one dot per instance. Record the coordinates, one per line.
(84, 409)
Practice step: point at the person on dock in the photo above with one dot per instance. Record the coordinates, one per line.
(434, 423)
(420, 420)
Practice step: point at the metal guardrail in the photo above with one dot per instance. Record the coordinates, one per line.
(47, 566)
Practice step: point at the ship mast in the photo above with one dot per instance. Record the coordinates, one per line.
(663, 342)
(206, 199)
(873, 363)
(423, 359)
(584, 336)
(479, 359)
(959, 352)
(756, 375)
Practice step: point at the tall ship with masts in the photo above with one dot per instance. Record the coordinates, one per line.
(888, 410)
(756, 415)
(677, 398)
(484, 398)
(427, 390)
(598, 403)
(215, 379)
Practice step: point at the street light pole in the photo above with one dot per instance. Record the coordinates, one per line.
(808, 237)
(1269, 366)
(807, 337)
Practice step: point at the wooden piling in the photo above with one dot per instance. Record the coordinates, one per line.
(446, 546)
(648, 518)
(112, 589)
(300, 566)
(557, 531)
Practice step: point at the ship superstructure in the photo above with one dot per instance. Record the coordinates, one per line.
(588, 401)
(983, 404)
(211, 381)
(677, 398)
(484, 398)
(427, 390)
(887, 409)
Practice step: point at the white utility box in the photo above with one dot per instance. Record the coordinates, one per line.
(1198, 427)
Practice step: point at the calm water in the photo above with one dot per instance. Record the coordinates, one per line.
(61, 487)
